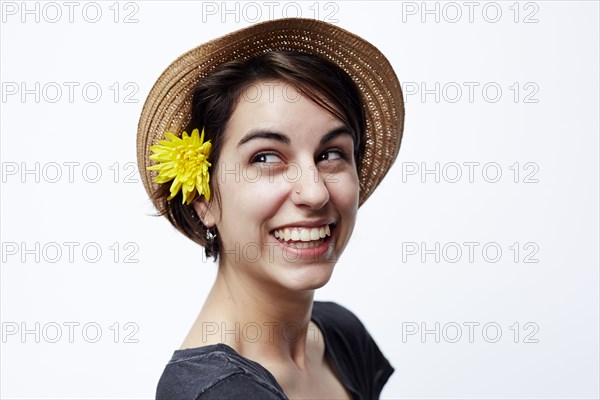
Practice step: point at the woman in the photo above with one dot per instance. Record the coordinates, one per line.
(276, 135)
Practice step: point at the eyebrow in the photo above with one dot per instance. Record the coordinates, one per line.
(280, 137)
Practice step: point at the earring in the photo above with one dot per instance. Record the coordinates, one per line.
(211, 235)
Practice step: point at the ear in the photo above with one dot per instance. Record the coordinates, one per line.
(207, 211)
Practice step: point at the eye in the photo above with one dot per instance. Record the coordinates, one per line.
(265, 158)
(331, 155)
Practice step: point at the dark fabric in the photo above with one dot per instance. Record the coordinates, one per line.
(219, 372)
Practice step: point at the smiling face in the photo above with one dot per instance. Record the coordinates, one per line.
(289, 189)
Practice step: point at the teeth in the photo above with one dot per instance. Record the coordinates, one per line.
(295, 234)
(305, 235)
(302, 235)
(314, 234)
(305, 245)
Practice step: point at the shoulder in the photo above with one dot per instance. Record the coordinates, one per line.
(352, 349)
(214, 372)
(332, 316)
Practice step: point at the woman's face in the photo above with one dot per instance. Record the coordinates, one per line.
(289, 189)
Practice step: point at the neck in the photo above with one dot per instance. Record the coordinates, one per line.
(259, 321)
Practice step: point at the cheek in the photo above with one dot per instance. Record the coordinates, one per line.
(345, 196)
(344, 192)
(249, 193)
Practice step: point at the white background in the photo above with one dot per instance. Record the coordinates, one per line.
(551, 211)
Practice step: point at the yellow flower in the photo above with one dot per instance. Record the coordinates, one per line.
(185, 161)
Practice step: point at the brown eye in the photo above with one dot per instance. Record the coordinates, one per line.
(331, 155)
(266, 158)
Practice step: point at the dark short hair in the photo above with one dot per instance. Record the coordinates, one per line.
(217, 94)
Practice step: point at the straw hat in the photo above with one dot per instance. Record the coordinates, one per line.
(168, 106)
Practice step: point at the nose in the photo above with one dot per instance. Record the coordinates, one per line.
(310, 188)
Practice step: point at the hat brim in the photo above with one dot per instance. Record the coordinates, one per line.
(168, 106)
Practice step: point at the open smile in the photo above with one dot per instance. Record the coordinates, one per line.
(300, 237)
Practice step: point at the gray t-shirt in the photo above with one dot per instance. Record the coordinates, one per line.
(219, 372)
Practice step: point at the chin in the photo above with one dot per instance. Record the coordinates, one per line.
(310, 277)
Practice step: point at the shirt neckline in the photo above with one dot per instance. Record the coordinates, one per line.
(180, 355)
